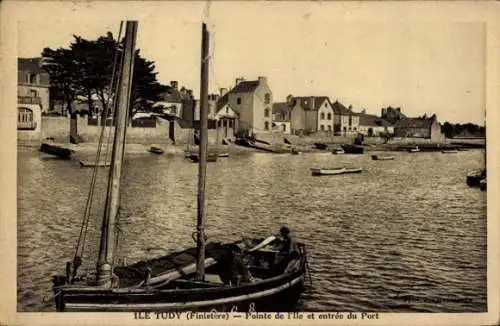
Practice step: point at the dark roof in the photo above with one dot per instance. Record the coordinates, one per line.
(221, 102)
(372, 120)
(340, 109)
(305, 101)
(245, 86)
(279, 107)
(415, 123)
(30, 64)
(281, 111)
(172, 95)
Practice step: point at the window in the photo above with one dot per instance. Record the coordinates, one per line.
(31, 78)
(322, 116)
(266, 125)
(33, 93)
(354, 128)
(230, 123)
(238, 100)
(267, 98)
(227, 109)
(284, 127)
(329, 128)
(266, 112)
(329, 116)
(322, 127)
(25, 119)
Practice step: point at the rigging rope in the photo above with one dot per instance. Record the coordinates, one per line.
(88, 206)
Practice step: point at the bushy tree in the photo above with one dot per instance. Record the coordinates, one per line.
(90, 68)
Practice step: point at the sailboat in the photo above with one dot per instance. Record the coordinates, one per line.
(243, 275)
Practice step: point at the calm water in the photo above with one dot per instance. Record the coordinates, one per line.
(404, 236)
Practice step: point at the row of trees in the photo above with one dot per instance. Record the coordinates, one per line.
(451, 130)
(86, 70)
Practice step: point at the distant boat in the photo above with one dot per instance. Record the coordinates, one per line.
(56, 150)
(474, 177)
(321, 146)
(352, 149)
(155, 150)
(294, 152)
(449, 151)
(482, 184)
(91, 164)
(223, 155)
(338, 151)
(195, 157)
(334, 171)
(414, 149)
(382, 158)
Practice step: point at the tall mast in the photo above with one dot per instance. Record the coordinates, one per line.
(104, 265)
(200, 226)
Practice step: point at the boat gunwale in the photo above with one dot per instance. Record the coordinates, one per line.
(70, 289)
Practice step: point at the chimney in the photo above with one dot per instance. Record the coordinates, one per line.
(311, 102)
(239, 80)
(174, 84)
(223, 91)
(262, 80)
(384, 112)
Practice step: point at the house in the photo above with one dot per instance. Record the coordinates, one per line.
(310, 114)
(421, 127)
(176, 102)
(252, 100)
(346, 122)
(227, 122)
(281, 117)
(372, 125)
(33, 99)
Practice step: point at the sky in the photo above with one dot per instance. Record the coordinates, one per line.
(423, 64)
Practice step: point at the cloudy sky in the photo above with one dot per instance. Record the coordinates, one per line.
(422, 60)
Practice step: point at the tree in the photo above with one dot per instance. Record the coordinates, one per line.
(60, 65)
(91, 68)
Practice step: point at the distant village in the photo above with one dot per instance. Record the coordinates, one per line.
(248, 108)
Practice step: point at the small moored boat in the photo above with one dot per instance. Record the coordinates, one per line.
(449, 151)
(382, 158)
(474, 177)
(334, 171)
(321, 146)
(294, 151)
(413, 149)
(352, 149)
(56, 150)
(338, 151)
(482, 184)
(155, 150)
(91, 164)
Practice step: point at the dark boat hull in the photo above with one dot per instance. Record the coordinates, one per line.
(58, 151)
(196, 158)
(352, 149)
(273, 295)
(267, 293)
(156, 150)
(321, 146)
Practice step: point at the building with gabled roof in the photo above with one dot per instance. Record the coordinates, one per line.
(372, 125)
(252, 101)
(420, 127)
(310, 114)
(346, 122)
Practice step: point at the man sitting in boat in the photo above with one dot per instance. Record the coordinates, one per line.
(288, 250)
